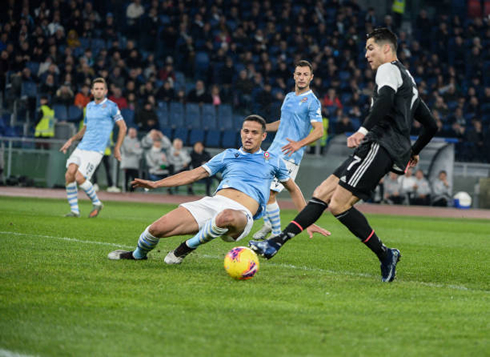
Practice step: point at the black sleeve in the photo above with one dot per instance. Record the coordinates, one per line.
(381, 107)
(39, 116)
(429, 127)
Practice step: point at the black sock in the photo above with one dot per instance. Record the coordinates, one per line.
(309, 215)
(359, 226)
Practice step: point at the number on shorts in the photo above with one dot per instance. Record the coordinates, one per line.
(356, 160)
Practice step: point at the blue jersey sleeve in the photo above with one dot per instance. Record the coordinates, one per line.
(116, 113)
(315, 111)
(216, 164)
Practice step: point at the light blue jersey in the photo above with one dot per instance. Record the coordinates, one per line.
(99, 119)
(297, 114)
(251, 174)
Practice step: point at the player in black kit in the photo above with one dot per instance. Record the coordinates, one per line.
(382, 145)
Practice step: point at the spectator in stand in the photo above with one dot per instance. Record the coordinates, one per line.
(83, 97)
(64, 95)
(441, 106)
(199, 94)
(344, 125)
(243, 90)
(421, 195)
(117, 78)
(178, 158)
(167, 72)
(131, 153)
(146, 118)
(134, 12)
(117, 98)
(407, 183)
(441, 190)
(154, 135)
(392, 189)
(156, 160)
(166, 92)
(132, 102)
(215, 94)
(332, 100)
(48, 86)
(199, 156)
(45, 122)
(474, 139)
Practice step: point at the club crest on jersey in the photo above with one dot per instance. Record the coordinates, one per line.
(303, 100)
(104, 106)
(267, 156)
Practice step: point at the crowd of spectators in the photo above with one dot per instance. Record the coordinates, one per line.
(242, 53)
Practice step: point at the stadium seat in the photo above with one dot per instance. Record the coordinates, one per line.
(201, 65)
(28, 90)
(167, 132)
(128, 115)
(60, 112)
(193, 116)
(196, 135)
(33, 66)
(74, 113)
(181, 133)
(225, 117)
(213, 139)
(176, 114)
(162, 114)
(229, 139)
(209, 117)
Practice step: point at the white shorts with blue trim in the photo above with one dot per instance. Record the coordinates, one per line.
(293, 169)
(206, 208)
(87, 161)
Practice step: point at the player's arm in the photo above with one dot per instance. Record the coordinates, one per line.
(274, 126)
(300, 203)
(429, 128)
(182, 178)
(120, 138)
(313, 136)
(76, 137)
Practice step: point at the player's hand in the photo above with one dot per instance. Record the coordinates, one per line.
(66, 146)
(414, 160)
(144, 184)
(317, 229)
(291, 148)
(355, 139)
(117, 154)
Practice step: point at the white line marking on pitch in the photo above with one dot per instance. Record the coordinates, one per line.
(281, 265)
(7, 353)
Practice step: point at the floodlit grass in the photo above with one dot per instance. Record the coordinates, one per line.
(61, 296)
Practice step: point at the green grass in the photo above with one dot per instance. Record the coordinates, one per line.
(61, 296)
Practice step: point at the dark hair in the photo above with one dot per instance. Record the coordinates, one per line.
(256, 118)
(99, 80)
(304, 63)
(383, 34)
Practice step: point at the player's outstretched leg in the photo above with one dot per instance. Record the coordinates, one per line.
(274, 214)
(388, 265)
(264, 231)
(146, 243)
(207, 233)
(309, 215)
(96, 204)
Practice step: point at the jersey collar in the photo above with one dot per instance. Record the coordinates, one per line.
(302, 94)
(260, 151)
(103, 101)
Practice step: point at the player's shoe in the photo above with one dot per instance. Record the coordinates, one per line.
(263, 232)
(113, 189)
(177, 255)
(123, 255)
(388, 265)
(95, 211)
(266, 248)
(73, 214)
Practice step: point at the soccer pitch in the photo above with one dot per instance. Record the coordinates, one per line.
(61, 296)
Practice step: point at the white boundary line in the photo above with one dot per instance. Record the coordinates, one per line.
(280, 265)
(7, 353)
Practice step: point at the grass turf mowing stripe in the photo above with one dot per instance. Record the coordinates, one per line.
(287, 266)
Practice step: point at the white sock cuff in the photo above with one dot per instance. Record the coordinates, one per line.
(86, 185)
(272, 207)
(71, 184)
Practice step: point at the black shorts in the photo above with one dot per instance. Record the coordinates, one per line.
(362, 171)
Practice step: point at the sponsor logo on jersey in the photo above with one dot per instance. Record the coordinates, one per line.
(267, 156)
(303, 100)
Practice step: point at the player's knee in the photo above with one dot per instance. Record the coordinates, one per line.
(69, 176)
(227, 218)
(156, 229)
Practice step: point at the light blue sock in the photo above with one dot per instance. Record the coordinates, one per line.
(273, 213)
(146, 243)
(89, 190)
(267, 221)
(207, 233)
(72, 195)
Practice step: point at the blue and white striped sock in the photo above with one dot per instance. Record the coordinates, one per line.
(267, 222)
(72, 195)
(274, 215)
(89, 190)
(146, 243)
(207, 233)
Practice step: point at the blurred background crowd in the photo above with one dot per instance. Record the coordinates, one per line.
(192, 69)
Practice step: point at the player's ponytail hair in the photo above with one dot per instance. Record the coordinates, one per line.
(256, 118)
(99, 80)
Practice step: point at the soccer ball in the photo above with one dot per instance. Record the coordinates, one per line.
(241, 263)
(462, 200)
